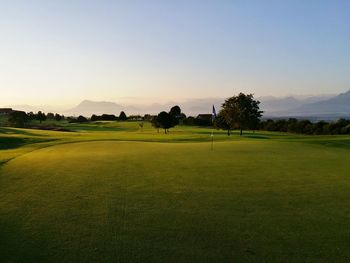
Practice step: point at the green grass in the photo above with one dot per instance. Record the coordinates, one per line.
(109, 192)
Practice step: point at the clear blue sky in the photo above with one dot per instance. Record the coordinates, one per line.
(61, 52)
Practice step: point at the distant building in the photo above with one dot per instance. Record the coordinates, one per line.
(203, 120)
(6, 111)
(204, 117)
(135, 118)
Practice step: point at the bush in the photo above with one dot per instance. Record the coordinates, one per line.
(341, 126)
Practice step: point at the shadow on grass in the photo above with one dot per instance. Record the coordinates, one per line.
(98, 127)
(17, 131)
(13, 142)
(338, 143)
(15, 246)
(256, 136)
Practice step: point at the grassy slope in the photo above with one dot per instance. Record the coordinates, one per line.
(265, 197)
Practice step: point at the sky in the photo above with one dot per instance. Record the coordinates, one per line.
(64, 51)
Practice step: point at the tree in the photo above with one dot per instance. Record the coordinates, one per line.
(58, 117)
(220, 122)
(31, 116)
(155, 123)
(40, 116)
(182, 116)
(175, 111)
(50, 116)
(166, 121)
(148, 117)
(204, 120)
(189, 120)
(241, 112)
(135, 117)
(82, 119)
(108, 117)
(122, 116)
(18, 119)
(95, 118)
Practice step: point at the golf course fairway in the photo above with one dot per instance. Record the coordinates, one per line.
(131, 196)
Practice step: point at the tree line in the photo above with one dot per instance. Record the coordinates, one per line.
(241, 112)
(21, 119)
(238, 112)
(167, 120)
(292, 125)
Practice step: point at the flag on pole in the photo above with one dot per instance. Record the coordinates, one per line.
(213, 116)
(214, 113)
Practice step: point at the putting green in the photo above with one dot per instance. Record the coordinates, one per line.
(110, 201)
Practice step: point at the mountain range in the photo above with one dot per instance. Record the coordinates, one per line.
(337, 106)
(317, 107)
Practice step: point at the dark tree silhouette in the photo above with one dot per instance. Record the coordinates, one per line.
(82, 119)
(94, 117)
(122, 116)
(155, 123)
(50, 116)
(166, 121)
(18, 119)
(241, 112)
(292, 125)
(58, 117)
(109, 117)
(221, 123)
(40, 116)
(31, 116)
(175, 111)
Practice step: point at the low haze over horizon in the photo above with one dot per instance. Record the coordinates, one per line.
(63, 52)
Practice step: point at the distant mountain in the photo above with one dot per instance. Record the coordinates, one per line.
(88, 107)
(338, 105)
(198, 106)
(272, 104)
(316, 107)
(275, 106)
(190, 107)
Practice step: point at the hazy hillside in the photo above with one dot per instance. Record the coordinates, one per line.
(272, 104)
(276, 106)
(88, 107)
(190, 107)
(330, 106)
(339, 105)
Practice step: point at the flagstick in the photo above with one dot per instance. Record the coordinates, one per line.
(212, 131)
